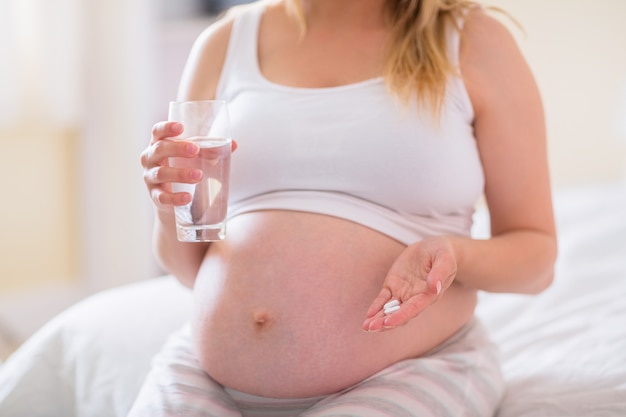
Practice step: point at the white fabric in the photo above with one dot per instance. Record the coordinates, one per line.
(91, 360)
(400, 183)
(564, 351)
(461, 378)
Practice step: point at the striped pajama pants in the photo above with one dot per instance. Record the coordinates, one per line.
(460, 378)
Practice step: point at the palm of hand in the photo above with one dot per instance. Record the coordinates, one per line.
(417, 280)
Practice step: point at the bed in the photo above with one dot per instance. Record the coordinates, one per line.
(564, 351)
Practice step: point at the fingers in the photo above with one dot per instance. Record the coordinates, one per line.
(158, 174)
(165, 198)
(379, 302)
(442, 273)
(164, 130)
(408, 310)
(164, 174)
(157, 153)
(415, 284)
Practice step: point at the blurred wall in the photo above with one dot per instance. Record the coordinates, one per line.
(39, 141)
(576, 49)
(77, 104)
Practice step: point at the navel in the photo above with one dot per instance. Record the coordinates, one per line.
(261, 320)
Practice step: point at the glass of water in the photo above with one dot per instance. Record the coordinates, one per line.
(206, 123)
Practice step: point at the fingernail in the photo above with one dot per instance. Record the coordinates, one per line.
(185, 199)
(386, 326)
(192, 148)
(196, 174)
(177, 128)
(370, 329)
(438, 287)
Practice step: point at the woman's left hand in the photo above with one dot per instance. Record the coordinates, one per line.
(417, 279)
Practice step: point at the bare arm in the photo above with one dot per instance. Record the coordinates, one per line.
(199, 81)
(510, 132)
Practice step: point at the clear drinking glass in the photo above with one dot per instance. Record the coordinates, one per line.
(207, 124)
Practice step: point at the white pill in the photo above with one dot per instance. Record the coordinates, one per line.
(391, 309)
(392, 303)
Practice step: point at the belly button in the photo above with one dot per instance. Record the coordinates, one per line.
(261, 320)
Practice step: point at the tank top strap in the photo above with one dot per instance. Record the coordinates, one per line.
(241, 62)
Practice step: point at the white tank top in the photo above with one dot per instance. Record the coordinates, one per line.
(350, 151)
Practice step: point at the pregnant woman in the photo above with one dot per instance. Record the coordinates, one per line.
(366, 131)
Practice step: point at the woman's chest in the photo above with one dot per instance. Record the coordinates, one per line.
(364, 145)
(318, 57)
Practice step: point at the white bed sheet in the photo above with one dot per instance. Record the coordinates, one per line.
(564, 351)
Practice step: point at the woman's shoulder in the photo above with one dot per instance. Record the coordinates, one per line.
(490, 58)
(208, 54)
(219, 31)
(216, 36)
(484, 35)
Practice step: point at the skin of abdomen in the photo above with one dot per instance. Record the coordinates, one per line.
(279, 306)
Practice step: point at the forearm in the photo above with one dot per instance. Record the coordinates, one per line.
(515, 262)
(181, 259)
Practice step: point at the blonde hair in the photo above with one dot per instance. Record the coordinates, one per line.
(416, 62)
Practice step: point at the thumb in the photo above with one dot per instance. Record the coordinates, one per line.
(442, 273)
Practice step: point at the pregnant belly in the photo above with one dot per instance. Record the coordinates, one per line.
(279, 305)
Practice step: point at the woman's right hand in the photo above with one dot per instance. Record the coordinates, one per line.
(157, 173)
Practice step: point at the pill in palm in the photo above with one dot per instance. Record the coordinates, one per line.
(390, 310)
(391, 306)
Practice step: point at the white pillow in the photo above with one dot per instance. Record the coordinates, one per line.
(91, 359)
